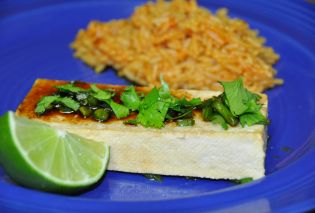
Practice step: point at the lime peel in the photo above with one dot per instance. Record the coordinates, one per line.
(31, 162)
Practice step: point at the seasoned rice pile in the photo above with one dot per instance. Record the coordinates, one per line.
(190, 46)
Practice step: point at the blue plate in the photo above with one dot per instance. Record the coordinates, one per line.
(34, 43)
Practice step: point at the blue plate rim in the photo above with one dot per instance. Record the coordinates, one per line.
(241, 189)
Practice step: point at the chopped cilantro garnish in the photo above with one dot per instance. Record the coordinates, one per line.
(239, 99)
(69, 88)
(244, 180)
(150, 117)
(182, 104)
(152, 110)
(130, 98)
(242, 103)
(68, 102)
(120, 110)
(250, 119)
(46, 103)
(235, 105)
(100, 94)
(182, 108)
(164, 92)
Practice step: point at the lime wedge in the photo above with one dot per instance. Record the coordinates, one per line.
(38, 156)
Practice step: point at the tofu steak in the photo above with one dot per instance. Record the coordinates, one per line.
(204, 150)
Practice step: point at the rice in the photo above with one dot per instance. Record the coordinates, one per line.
(188, 45)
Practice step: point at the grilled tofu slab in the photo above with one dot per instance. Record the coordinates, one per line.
(204, 150)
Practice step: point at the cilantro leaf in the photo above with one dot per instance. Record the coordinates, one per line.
(130, 98)
(250, 119)
(68, 102)
(179, 104)
(152, 110)
(69, 88)
(195, 102)
(151, 117)
(44, 104)
(119, 110)
(218, 119)
(151, 98)
(182, 108)
(164, 91)
(100, 94)
(162, 108)
(239, 99)
(253, 106)
(154, 106)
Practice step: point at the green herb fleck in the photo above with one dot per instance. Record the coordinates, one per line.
(100, 94)
(68, 102)
(119, 110)
(70, 88)
(244, 180)
(164, 91)
(130, 98)
(286, 149)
